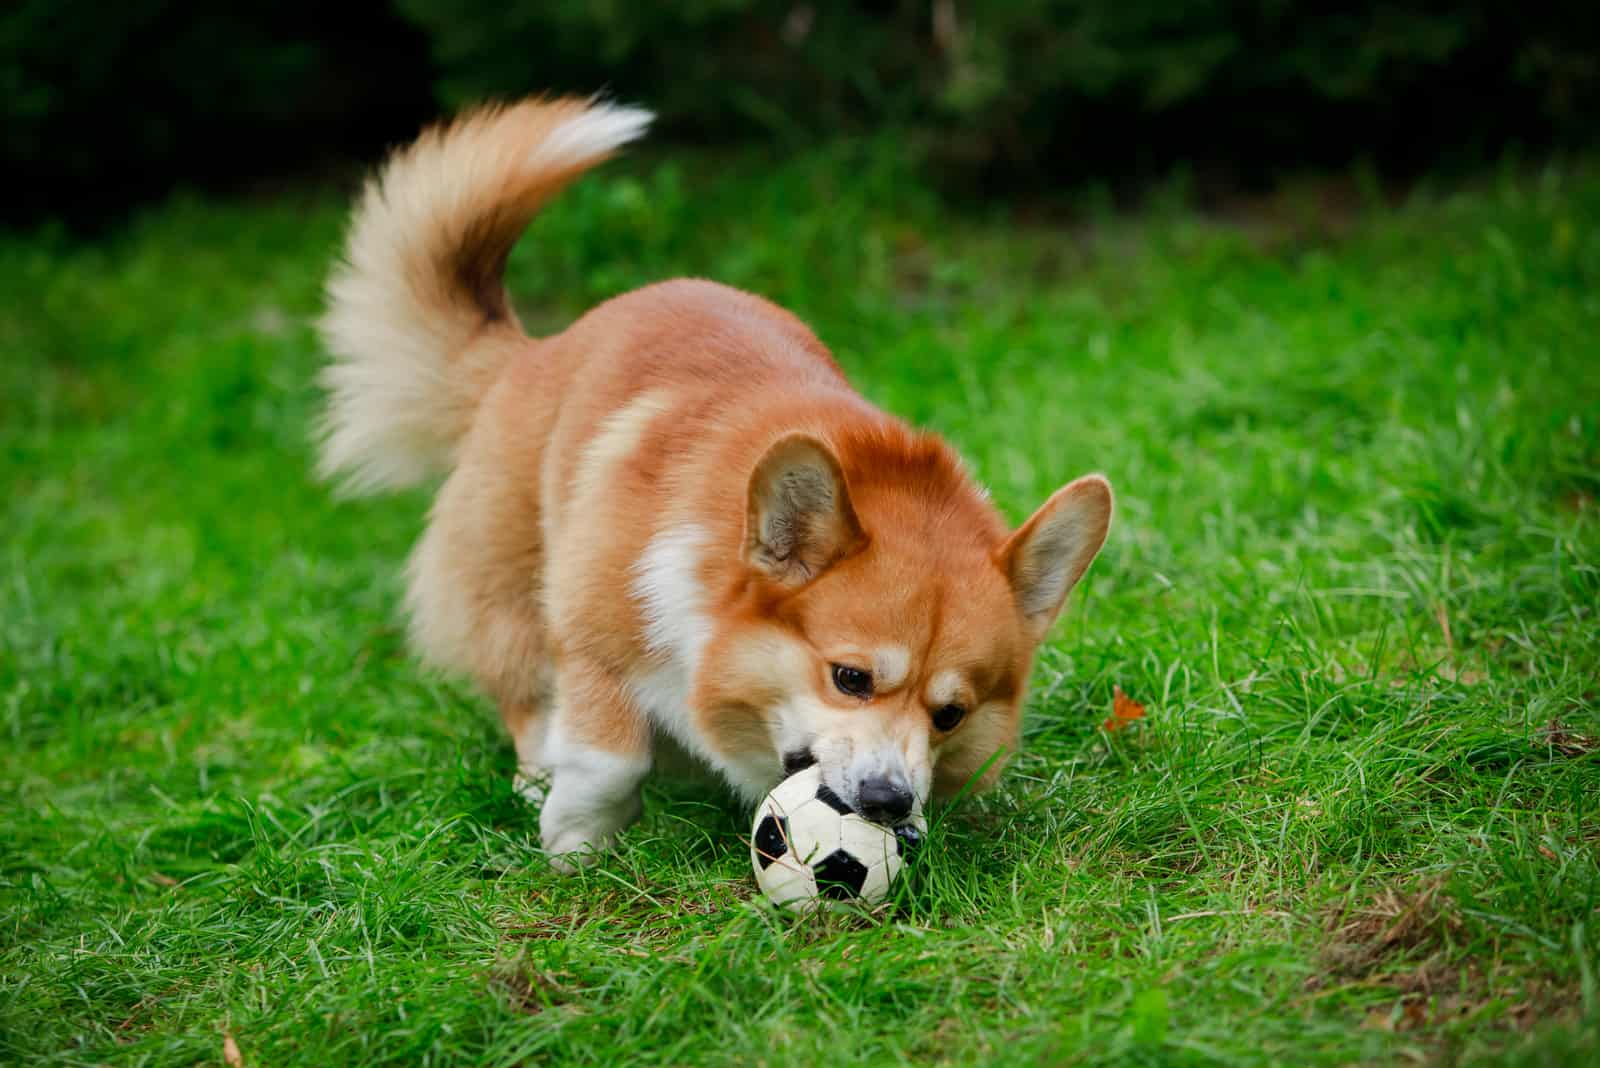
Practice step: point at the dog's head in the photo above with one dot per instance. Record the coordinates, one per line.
(887, 619)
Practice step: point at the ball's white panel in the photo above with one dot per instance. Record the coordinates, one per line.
(867, 842)
(877, 885)
(815, 828)
(797, 789)
(788, 885)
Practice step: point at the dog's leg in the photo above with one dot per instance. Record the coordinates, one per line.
(527, 721)
(597, 752)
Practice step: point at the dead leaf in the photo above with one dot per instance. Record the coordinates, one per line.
(230, 1051)
(530, 990)
(1443, 618)
(162, 880)
(1124, 710)
(138, 1011)
(1568, 743)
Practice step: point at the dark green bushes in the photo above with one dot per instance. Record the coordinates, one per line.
(109, 98)
(109, 102)
(1074, 84)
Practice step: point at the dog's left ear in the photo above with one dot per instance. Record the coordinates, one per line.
(1049, 553)
(800, 519)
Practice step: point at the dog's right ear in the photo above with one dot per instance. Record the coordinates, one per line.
(1049, 553)
(800, 519)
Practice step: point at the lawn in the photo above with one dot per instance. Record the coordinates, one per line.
(1353, 577)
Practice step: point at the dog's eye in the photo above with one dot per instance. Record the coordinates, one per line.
(947, 717)
(853, 681)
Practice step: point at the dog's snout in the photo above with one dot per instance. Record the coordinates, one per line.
(884, 800)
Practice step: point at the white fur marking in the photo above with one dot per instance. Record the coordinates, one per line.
(592, 795)
(669, 593)
(663, 694)
(944, 688)
(589, 135)
(616, 439)
(671, 604)
(890, 664)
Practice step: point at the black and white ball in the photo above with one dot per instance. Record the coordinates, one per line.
(807, 846)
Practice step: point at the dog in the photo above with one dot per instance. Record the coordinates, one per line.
(674, 523)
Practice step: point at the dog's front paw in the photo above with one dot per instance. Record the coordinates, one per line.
(589, 801)
(531, 786)
(573, 849)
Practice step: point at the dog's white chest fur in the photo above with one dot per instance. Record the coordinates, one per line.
(672, 602)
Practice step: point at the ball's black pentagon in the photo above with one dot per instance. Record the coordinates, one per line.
(833, 800)
(907, 840)
(772, 839)
(839, 875)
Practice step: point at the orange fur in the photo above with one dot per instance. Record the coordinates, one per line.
(669, 521)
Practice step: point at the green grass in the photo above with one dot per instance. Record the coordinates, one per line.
(1353, 576)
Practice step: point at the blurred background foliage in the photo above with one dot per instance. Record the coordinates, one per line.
(110, 103)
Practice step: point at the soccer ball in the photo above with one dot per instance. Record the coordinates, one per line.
(807, 846)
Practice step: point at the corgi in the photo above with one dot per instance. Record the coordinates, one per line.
(674, 524)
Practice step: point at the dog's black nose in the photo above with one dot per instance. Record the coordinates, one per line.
(884, 800)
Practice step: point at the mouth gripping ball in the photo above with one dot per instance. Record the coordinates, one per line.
(808, 847)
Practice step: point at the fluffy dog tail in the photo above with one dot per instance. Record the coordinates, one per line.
(418, 322)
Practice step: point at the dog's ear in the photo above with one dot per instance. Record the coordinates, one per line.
(800, 519)
(1048, 554)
